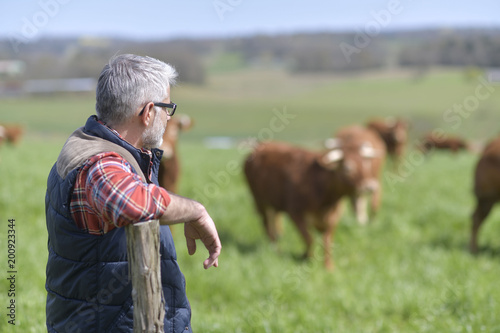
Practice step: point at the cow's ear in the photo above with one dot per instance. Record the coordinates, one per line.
(185, 122)
(330, 160)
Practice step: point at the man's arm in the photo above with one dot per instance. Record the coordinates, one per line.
(122, 198)
(114, 194)
(181, 210)
(197, 225)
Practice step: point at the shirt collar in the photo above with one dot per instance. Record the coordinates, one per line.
(115, 132)
(149, 160)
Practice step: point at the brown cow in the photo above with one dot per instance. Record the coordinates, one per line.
(309, 186)
(486, 187)
(352, 140)
(443, 142)
(394, 133)
(169, 171)
(11, 133)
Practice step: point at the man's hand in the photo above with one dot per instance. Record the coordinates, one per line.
(197, 225)
(204, 229)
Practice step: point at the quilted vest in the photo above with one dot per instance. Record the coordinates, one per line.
(88, 286)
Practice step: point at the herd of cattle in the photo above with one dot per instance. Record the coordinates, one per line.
(309, 185)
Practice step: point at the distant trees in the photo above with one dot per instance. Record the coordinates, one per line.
(328, 52)
(299, 53)
(184, 55)
(188, 65)
(457, 48)
(73, 58)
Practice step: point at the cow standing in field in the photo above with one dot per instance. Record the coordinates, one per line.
(486, 187)
(444, 142)
(357, 140)
(394, 133)
(169, 170)
(11, 133)
(309, 186)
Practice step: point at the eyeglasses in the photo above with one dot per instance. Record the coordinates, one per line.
(169, 108)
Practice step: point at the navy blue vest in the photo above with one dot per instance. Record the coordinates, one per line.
(88, 288)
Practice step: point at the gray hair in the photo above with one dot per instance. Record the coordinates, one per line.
(129, 81)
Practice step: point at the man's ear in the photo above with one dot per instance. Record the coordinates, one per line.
(147, 115)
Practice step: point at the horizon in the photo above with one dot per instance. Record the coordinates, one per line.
(399, 30)
(38, 19)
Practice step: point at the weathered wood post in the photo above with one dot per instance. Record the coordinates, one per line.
(143, 247)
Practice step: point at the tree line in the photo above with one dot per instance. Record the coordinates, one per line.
(297, 53)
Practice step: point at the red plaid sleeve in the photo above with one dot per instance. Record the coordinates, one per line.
(107, 194)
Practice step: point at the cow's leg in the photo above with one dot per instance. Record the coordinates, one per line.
(395, 162)
(301, 224)
(375, 201)
(273, 224)
(331, 218)
(483, 208)
(397, 158)
(359, 203)
(264, 216)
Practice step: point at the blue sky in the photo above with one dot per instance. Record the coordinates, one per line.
(150, 19)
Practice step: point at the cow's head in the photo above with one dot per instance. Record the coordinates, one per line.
(353, 162)
(175, 125)
(398, 129)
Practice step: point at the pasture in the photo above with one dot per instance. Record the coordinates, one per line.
(409, 271)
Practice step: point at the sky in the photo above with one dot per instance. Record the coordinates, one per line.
(163, 19)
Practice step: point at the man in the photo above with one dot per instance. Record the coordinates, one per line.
(104, 179)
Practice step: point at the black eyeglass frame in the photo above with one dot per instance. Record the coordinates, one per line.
(162, 105)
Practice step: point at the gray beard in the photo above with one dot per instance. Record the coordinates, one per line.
(153, 136)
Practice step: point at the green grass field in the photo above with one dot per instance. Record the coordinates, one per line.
(409, 271)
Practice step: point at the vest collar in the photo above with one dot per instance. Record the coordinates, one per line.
(149, 163)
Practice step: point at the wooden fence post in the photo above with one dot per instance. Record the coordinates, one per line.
(143, 247)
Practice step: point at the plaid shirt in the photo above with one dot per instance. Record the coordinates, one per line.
(107, 194)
